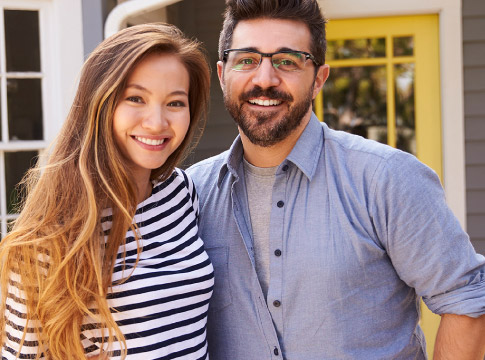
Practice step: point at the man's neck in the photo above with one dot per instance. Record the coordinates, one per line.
(272, 155)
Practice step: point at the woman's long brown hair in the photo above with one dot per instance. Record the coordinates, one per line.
(56, 245)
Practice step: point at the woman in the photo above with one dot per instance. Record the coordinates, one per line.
(75, 283)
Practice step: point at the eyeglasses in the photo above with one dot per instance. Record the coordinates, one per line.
(284, 60)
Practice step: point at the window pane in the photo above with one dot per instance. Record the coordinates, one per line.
(24, 101)
(355, 101)
(17, 164)
(405, 122)
(22, 40)
(403, 46)
(10, 224)
(356, 49)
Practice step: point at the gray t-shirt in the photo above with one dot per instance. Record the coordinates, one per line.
(259, 185)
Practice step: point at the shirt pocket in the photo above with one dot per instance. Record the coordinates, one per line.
(221, 296)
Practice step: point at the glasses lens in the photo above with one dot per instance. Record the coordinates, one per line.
(289, 61)
(243, 60)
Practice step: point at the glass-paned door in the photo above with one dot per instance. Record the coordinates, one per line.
(21, 102)
(384, 85)
(384, 82)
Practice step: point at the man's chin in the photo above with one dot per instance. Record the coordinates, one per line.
(261, 139)
(263, 117)
(264, 134)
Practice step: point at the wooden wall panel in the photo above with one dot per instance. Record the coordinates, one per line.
(474, 85)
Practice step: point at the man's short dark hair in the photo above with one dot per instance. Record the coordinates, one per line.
(306, 11)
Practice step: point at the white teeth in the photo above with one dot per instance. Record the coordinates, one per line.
(265, 102)
(150, 141)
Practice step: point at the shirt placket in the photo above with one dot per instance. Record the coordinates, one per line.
(241, 216)
(275, 300)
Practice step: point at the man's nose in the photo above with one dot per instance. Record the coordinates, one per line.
(266, 75)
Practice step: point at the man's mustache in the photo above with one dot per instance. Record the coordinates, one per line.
(270, 93)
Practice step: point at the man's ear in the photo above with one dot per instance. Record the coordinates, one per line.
(220, 73)
(322, 75)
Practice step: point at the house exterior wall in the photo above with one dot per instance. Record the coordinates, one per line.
(66, 59)
(94, 13)
(474, 95)
(203, 20)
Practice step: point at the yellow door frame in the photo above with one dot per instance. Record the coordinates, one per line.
(425, 30)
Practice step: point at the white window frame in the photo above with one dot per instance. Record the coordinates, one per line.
(451, 69)
(61, 56)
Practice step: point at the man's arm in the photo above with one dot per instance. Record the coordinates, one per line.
(460, 337)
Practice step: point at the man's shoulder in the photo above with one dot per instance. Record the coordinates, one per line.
(208, 169)
(360, 155)
(355, 145)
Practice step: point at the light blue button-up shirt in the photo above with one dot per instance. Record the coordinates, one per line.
(359, 232)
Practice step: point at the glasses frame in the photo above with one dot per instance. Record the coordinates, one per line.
(308, 56)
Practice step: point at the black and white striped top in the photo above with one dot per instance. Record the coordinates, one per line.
(162, 308)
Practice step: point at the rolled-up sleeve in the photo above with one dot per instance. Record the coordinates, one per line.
(425, 242)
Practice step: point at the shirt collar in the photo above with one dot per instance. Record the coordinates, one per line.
(308, 148)
(305, 153)
(232, 161)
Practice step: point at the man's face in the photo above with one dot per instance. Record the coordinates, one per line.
(267, 103)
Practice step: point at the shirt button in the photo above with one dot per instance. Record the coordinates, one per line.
(285, 168)
(275, 351)
(276, 303)
(277, 252)
(280, 204)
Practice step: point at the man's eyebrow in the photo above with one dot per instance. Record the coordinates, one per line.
(287, 49)
(277, 50)
(248, 49)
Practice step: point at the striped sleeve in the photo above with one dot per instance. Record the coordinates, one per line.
(15, 323)
(192, 191)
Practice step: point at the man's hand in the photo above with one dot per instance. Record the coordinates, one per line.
(460, 337)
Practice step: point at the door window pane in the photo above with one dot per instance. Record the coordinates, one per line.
(355, 101)
(24, 102)
(22, 40)
(403, 46)
(356, 49)
(405, 119)
(17, 164)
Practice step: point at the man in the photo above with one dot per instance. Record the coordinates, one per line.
(322, 242)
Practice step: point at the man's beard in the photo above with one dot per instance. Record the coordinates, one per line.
(260, 131)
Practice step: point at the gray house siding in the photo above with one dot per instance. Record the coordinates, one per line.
(474, 85)
(94, 16)
(203, 20)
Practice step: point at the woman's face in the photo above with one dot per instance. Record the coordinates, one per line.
(153, 116)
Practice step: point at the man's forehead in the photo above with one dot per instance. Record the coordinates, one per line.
(269, 35)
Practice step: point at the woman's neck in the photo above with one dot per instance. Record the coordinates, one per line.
(143, 187)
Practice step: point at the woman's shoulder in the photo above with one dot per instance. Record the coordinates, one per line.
(178, 181)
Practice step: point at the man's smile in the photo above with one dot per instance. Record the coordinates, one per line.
(267, 102)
